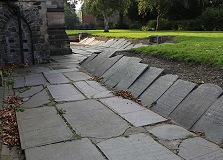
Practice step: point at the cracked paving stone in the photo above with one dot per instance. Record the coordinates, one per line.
(30, 92)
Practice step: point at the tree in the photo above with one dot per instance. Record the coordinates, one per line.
(160, 6)
(106, 8)
(71, 19)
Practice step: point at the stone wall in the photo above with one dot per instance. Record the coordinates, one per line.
(31, 31)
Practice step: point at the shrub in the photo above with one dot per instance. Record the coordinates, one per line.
(187, 25)
(135, 25)
(212, 19)
(163, 24)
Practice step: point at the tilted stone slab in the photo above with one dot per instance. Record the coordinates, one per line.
(170, 132)
(195, 104)
(30, 92)
(85, 62)
(118, 65)
(211, 123)
(129, 47)
(133, 73)
(172, 97)
(90, 118)
(92, 89)
(77, 76)
(79, 149)
(116, 77)
(65, 92)
(135, 147)
(37, 100)
(200, 149)
(42, 130)
(62, 71)
(133, 112)
(109, 43)
(117, 43)
(19, 82)
(138, 45)
(121, 44)
(97, 61)
(106, 65)
(34, 80)
(56, 78)
(145, 80)
(126, 45)
(157, 89)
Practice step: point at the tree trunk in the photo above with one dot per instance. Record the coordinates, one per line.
(157, 22)
(106, 23)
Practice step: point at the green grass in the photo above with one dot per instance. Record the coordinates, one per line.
(192, 46)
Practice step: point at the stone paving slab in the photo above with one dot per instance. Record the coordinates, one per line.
(76, 150)
(126, 45)
(195, 104)
(19, 82)
(132, 112)
(92, 89)
(200, 149)
(65, 92)
(34, 80)
(37, 100)
(136, 147)
(119, 74)
(85, 62)
(170, 132)
(109, 43)
(121, 44)
(117, 42)
(32, 91)
(133, 73)
(211, 122)
(42, 69)
(77, 76)
(145, 80)
(41, 130)
(62, 71)
(89, 121)
(172, 97)
(56, 78)
(157, 89)
(106, 65)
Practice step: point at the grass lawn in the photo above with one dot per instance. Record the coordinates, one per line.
(200, 47)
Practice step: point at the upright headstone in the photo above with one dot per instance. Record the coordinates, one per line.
(116, 77)
(211, 123)
(145, 80)
(106, 65)
(172, 97)
(195, 104)
(157, 89)
(133, 73)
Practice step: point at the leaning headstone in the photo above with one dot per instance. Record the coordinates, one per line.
(172, 97)
(157, 89)
(145, 80)
(129, 47)
(133, 73)
(200, 149)
(138, 45)
(121, 44)
(119, 64)
(106, 65)
(135, 147)
(109, 43)
(195, 104)
(117, 43)
(86, 61)
(117, 76)
(126, 45)
(94, 64)
(211, 123)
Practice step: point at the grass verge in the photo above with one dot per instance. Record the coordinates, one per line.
(191, 46)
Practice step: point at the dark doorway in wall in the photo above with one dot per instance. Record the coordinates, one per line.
(13, 51)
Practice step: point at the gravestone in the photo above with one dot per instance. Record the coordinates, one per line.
(145, 80)
(95, 63)
(117, 76)
(121, 44)
(117, 43)
(133, 73)
(135, 147)
(126, 45)
(200, 149)
(157, 89)
(86, 61)
(211, 123)
(106, 65)
(109, 43)
(118, 65)
(172, 97)
(195, 104)
(91, 118)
